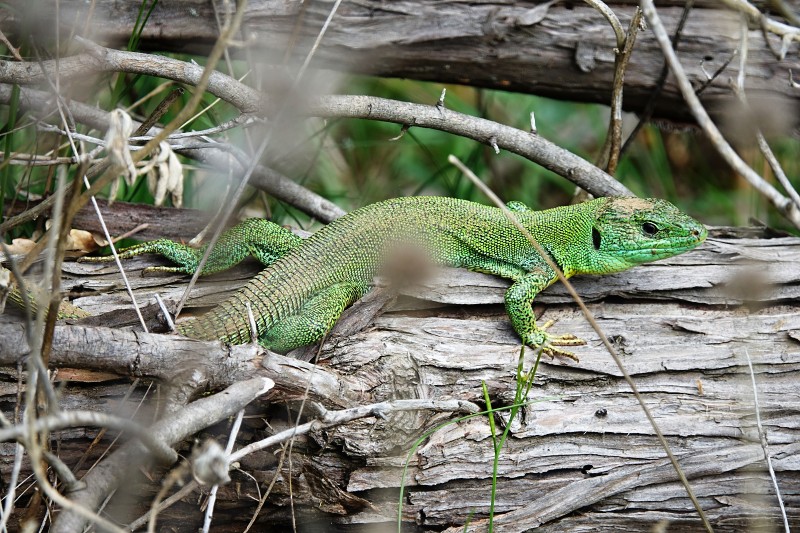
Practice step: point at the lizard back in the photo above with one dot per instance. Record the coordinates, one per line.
(350, 249)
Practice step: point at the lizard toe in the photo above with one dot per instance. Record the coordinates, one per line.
(554, 351)
(566, 340)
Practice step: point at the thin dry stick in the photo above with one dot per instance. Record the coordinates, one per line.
(612, 19)
(185, 113)
(614, 136)
(102, 432)
(160, 110)
(33, 160)
(297, 423)
(39, 391)
(33, 446)
(590, 318)
(65, 503)
(169, 502)
(14, 51)
(616, 97)
(766, 151)
(292, 513)
(100, 218)
(212, 498)
(174, 476)
(19, 450)
(254, 162)
(658, 88)
(784, 205)
(263, 500)
(112, 444)
(335, 418)
(213, 104)
(762, 437)
(786, 31)
(8, 505)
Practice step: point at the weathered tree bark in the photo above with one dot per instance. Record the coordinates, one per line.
(581, 456)
(565, 51)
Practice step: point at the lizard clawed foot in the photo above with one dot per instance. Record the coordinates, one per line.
(554, 351)
(550, 343)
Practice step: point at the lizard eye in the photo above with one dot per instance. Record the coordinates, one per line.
(596, 239)
(649, 228)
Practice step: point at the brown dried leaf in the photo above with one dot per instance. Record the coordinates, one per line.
(21, 246)
(81, 240)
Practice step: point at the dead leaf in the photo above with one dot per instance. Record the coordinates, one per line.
(165, 175)
(81, 240)
(21, 246)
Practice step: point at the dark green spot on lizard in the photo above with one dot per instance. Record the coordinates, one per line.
(298, 298)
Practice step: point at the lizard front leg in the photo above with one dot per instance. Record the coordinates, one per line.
(257, 237)
(519, 298)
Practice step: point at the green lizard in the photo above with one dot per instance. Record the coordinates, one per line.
(298, 298)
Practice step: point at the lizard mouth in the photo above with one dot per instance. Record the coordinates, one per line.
(663, 248)
(669, 247)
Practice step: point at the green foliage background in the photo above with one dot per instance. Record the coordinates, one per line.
(356, 162)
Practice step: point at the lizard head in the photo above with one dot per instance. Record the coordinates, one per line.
(630, 231)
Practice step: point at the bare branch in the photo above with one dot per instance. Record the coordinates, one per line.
(763, 145)
(613, 144)
(264, 178)
(532, 147)
(786, 31)
(784, 205)
(612, 19)
(762, 437)
(102, 59)
(536, 149)
(66, 419)
(336, 418)
(171, 429)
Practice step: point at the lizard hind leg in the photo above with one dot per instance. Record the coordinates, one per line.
(265, 240)
(315, 318)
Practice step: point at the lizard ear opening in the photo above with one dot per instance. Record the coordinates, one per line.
(597, 240)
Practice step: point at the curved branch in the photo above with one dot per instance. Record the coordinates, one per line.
(528, 145)
(612, 19)
(66, 419)
(786, 31)
(247, 100)
(102, 59)
(264, 178)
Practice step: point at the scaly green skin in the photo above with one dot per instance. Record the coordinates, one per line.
(299, 298)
